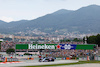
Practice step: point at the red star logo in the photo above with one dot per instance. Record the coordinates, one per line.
(58, 46)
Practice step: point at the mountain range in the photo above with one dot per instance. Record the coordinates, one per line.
(83, 20)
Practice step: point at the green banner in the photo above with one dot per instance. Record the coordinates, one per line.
(56, 46)
(21, 46)
(84, 47)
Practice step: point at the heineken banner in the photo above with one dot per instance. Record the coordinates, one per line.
(36, 46)
(55, 46)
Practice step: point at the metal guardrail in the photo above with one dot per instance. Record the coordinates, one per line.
(9, 59)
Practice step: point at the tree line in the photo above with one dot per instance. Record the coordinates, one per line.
(94, 39)
(71, 40)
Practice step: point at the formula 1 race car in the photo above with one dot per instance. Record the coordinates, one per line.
(46, 59)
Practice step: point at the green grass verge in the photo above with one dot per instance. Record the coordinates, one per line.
(80, 62)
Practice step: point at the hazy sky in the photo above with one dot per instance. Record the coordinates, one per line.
(14, 10)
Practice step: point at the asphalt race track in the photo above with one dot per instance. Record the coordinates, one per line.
(35, 62)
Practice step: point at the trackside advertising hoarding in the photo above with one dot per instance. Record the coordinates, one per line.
(36, 46)
(55, 46)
